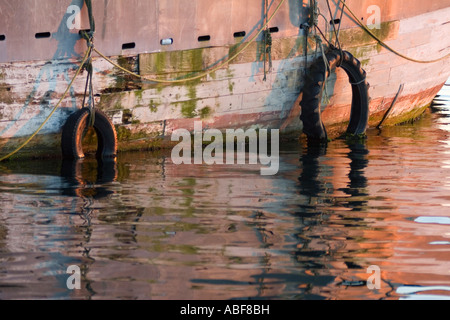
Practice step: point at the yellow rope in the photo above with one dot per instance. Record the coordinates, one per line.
(387, 46)
(205, 73)
(139, 76)
(53, 111)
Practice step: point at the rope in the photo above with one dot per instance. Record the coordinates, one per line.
(86, 63)
(265, 33)
(381, 42)
(334, 25)
(314, 19)
(359, 82)
(91, 15)
(313, 23)
(336, 31)
(327, 68)
(267, 52)
(51, 113)
(202, 74)
(340, 19)
(314, 14)
(89, 37)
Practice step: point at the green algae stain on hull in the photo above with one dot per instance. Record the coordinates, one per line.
(188, 108)
(357, 37)
(171, 62)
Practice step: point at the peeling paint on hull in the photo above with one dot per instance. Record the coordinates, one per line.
(234, 96)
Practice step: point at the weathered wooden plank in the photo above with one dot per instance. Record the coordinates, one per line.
(430, 20)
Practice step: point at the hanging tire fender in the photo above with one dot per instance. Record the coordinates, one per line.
(313, 126)
(75, 128)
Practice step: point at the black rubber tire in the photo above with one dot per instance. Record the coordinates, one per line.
(74, 129)
(313, 126)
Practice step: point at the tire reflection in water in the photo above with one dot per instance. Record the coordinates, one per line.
(86, 179)
(318, 248)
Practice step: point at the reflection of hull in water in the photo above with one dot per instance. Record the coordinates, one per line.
(167, 224)
(150, 234)
(35, 70)
(164, 231)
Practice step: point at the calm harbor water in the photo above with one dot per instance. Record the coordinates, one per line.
(144, 228)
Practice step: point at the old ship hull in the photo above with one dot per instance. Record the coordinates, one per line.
(40, 49)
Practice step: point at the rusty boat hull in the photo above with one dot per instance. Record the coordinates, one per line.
(41, 48)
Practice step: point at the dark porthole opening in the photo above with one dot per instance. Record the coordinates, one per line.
(128, 46)
(204, 38)
(43, 35)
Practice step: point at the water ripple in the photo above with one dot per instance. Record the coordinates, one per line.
(143, 228)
